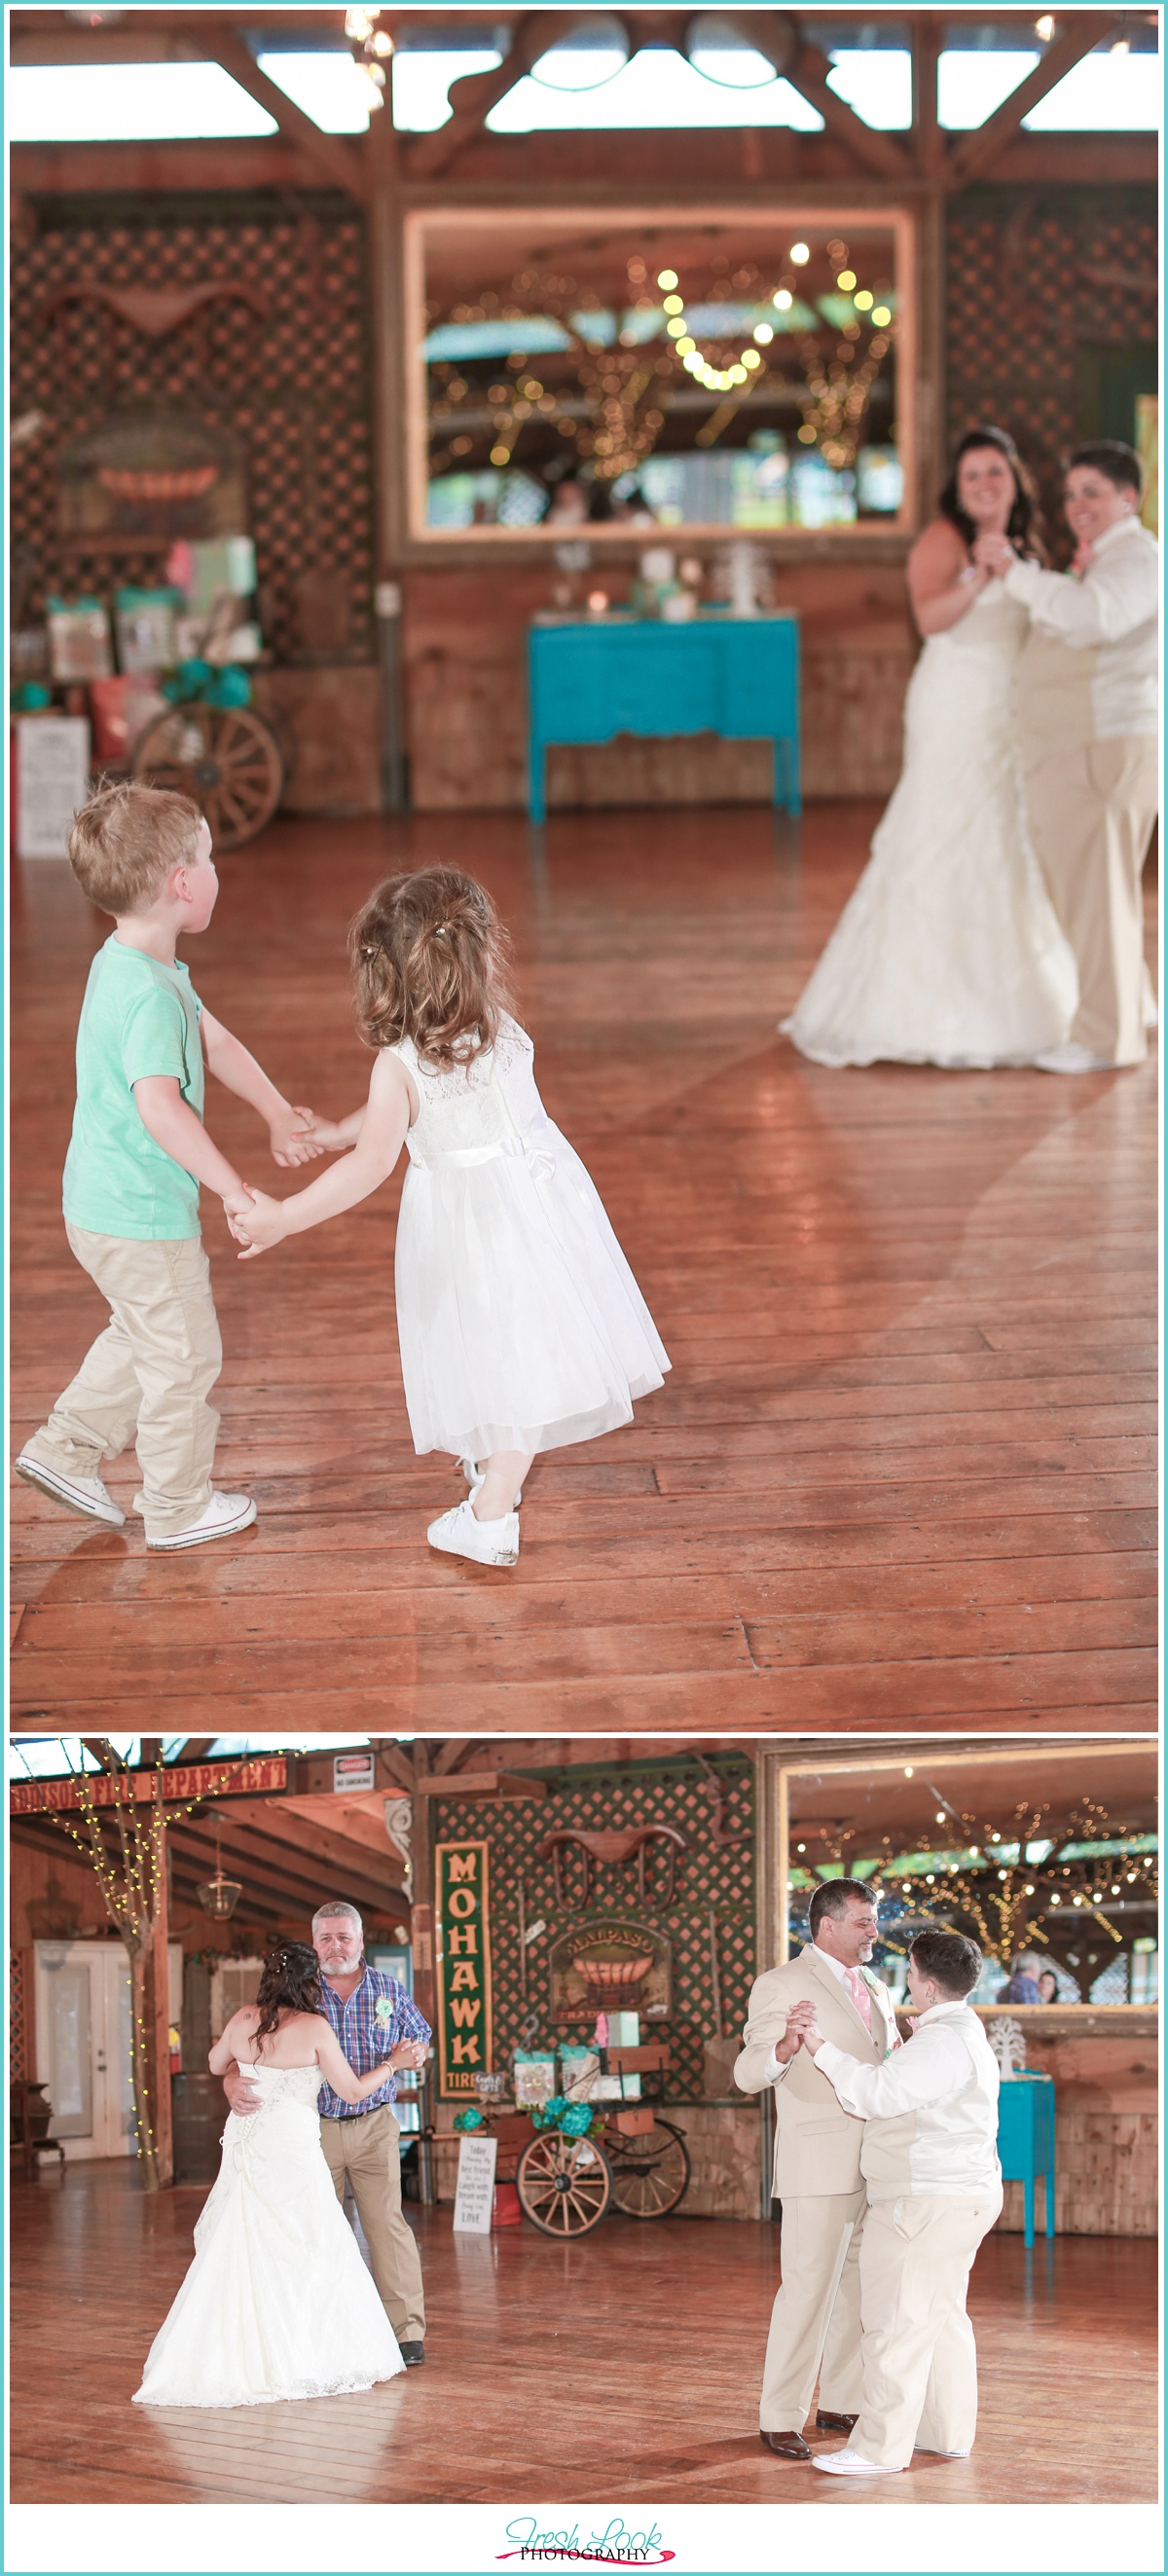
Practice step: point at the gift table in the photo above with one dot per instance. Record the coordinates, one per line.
(592, 678)
(569, 2169)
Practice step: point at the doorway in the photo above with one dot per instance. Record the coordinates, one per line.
(83, 2009)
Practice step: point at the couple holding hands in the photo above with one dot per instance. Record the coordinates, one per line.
(886, 2164)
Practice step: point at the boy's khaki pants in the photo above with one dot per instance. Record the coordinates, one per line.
(366, 2149)
(147, 1377)
(918, 2353)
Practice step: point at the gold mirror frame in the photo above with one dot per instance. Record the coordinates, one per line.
(545, 222)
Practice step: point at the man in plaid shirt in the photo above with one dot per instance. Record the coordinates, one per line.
(374, 2019)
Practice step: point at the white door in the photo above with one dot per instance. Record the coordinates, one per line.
(234, 1983)
(83, 2015)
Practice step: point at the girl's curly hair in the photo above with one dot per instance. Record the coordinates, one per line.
(290, 1983)
(428, 956)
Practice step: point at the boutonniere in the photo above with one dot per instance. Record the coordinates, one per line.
(383, 2012)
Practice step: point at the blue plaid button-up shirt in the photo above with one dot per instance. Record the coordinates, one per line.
(376, 2018)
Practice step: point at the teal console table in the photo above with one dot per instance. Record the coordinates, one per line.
(1026, 2141)
(594, 677)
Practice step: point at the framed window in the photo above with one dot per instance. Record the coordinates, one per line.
(709, 371)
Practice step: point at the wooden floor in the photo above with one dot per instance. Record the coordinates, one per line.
(534, 2364)
(902, 1470)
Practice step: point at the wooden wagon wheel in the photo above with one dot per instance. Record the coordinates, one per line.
(226, 758)
(650, 2174)
(564, 2184)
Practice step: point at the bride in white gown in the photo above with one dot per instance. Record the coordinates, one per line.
(949, 952)
(277, 2302)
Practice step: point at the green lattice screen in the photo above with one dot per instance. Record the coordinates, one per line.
(668, 1793)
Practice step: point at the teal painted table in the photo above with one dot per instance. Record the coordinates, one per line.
(1026, 2140)
(594, 677)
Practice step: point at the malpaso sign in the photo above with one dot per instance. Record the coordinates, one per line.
(462, 1964)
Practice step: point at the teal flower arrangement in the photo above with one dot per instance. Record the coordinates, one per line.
(467, 2120)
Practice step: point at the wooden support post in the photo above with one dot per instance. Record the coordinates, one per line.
(422, 1849)
(385, 237)
(158, 2027)
(927, 39)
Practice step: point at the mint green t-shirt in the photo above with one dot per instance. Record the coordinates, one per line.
(138, 1018)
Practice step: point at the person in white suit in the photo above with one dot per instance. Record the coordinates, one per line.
(929, 2158)
(815, 2322)
(1086, 708)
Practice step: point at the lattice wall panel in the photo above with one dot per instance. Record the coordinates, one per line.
(18, 2033)
(1032, 279)
(291, 384)
(660, 1793)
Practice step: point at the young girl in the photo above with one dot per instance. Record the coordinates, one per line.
(520, 1323)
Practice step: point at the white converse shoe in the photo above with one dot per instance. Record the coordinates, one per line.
(224, 1515)
(85, 1495)
(474, 1475)
(1073, 1058)
(458, 1533)
(851, 2464)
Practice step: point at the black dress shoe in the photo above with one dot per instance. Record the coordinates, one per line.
(413, 2354)
(828, 2423)
(786, 2446)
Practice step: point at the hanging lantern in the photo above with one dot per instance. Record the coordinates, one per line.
(219, 1896)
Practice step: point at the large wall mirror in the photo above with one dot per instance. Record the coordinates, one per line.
(712, 372)
(1053, 1845)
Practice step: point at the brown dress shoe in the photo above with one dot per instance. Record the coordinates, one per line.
(787, 2446)
(828, 2423)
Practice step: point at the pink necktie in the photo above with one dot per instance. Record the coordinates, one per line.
(860, 1996)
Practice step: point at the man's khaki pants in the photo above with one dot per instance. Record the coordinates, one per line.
(149, 1374)
(1091, 808)
(815, 2321)
(918, 2352)
(366, 2149)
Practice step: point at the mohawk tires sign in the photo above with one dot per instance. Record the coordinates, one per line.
(462, 1965)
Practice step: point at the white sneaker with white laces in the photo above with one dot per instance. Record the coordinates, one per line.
(851, 2464)
(224, 1515)
(1073, 1058)
(458, 1533)
(85, 1495)
(475, 1474)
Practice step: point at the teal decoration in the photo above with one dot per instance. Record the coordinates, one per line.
(29, 696)
(468, 2119)
(231, 687)
(577, 2120)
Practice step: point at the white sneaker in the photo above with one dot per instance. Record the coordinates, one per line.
(851, 2464)
(224, 1515)
(1073, 1058)
(83, 1494)
(458, 1533)
(474, 1475)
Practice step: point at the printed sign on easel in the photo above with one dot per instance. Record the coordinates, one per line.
(474, 2197)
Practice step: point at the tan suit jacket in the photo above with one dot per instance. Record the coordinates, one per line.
(817, 2142)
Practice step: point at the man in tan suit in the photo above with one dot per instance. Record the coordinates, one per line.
(815, 2322)
(930, 2163)
(1086, 705)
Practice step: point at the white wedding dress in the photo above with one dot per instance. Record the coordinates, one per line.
(520, 1323)
(949, 951)
(277, 2302)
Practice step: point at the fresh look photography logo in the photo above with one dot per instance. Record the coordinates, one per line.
(615, 2546)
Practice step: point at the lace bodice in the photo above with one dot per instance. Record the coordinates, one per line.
(995, 624)
(489, 1101)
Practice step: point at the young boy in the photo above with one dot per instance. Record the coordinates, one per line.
(137, 1156)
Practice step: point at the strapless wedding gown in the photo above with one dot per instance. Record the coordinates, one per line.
(949, 951)
(277, 2302)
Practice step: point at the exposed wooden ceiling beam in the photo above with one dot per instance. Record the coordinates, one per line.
(452, 1755)
(972, 157)
(472, 98)
(807, 71)
(398, 1762)
(333, 155)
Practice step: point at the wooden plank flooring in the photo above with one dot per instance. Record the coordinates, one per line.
(1066, 2347)
(903, 1470)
